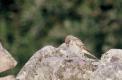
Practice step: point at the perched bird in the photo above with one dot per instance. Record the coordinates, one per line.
(71, 40)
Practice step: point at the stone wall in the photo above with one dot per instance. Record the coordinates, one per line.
(6, 62)
(70, 61)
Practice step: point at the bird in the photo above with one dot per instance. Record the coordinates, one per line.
(71, 40)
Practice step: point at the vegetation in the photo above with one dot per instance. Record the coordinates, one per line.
(28, 25)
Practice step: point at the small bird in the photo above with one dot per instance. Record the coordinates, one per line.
(71, 40)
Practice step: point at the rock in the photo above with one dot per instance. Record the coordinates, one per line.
(6, 62)
(110, 66)
(10, 77)
(72, 61)
(67, 62)
(113, 55)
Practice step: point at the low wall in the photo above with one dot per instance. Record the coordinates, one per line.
(70, 61)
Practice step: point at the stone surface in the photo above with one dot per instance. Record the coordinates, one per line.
(110, 66)
(72, 61)
(10, 77)
(67, 62)
(6, 62)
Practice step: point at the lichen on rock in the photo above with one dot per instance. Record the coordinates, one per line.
(72, 61)
(67, 62)
(110, 66)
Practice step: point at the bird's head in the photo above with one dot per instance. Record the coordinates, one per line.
(71, 40)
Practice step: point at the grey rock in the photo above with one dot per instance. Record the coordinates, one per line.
(67, 62)
(6, 62)
(110, 66)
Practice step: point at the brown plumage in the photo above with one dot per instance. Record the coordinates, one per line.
(71, 40)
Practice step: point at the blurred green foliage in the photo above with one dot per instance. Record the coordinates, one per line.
(28, 25)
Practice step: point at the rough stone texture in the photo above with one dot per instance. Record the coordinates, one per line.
(6, 62)
(110, 66)
(67, 62)
(72, 61)
(10, 77)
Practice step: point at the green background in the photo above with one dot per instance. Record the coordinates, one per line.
(28, 25)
